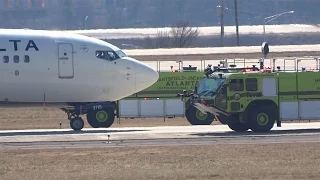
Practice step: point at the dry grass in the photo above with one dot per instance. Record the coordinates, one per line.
(19, 119)
(270, 161)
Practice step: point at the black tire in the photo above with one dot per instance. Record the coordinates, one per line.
(77, 123)
(262, 119)
(238, 126)
(101, 118)
(196, 117)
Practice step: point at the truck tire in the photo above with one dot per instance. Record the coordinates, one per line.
(238, 127)
(262, 119)
(196, 117)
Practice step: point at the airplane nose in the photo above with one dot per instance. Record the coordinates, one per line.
(145, 76)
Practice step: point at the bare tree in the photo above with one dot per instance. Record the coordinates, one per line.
(182, 34)
(162, 39)
(148, 42)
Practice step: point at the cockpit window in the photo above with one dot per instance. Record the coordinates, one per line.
(107, 55)
(100, 54)
(121, 54)
(112, 55)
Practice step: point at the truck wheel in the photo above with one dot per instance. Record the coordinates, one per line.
(262, 119)
(238, 127)
(196, 117)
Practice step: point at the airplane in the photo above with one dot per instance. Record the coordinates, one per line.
(78, 74)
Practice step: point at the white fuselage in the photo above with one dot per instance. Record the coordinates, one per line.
(63, 68)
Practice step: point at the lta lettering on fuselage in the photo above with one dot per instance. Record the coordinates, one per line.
(17, 44)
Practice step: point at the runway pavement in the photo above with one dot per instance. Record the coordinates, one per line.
(155, 136)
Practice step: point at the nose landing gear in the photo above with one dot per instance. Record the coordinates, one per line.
(76, 123)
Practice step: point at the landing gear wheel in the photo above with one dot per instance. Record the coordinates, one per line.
(238, 127)
(262, 119)
(76, 123)
(101, 118)
(196, 117)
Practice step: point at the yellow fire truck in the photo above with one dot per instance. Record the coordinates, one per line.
(257, 99)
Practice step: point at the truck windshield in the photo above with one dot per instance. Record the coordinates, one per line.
(208, 85)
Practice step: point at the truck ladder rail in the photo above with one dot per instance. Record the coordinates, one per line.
(300, 64)
(287, 64)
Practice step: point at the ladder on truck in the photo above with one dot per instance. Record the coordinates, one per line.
(288, 64)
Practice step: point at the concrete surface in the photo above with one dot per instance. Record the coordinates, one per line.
(155, 136)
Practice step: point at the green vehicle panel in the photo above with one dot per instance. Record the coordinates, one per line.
(170, 84)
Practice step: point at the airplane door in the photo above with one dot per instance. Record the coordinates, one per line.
(65, 52)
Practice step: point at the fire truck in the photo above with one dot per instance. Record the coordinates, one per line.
(211, 80)
(255, 99)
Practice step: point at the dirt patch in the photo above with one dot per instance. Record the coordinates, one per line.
(24, 118)
(267, 161)
(38, 118)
